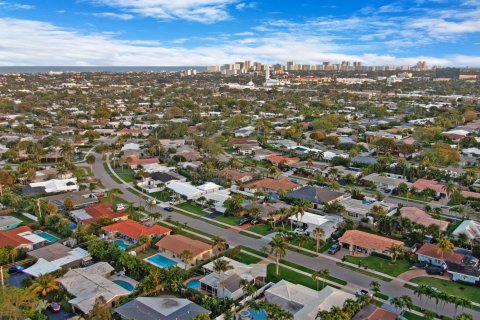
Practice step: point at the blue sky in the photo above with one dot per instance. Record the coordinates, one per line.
(211, 32)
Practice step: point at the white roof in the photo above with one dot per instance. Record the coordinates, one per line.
(80, 214)
(8, 221)
(209, 186)
(130, 146)
(32, 237)
(57, 185)
(43, 266)
(219, 196)
(156, 167)
(470, 228)
(184, 188)
(310, 218)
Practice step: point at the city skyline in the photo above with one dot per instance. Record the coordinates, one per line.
(215, 32)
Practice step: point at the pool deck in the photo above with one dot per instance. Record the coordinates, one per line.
(191, 279)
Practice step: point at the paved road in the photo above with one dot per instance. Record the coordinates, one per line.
(356, 280)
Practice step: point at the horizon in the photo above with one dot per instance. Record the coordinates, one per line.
(116, 33)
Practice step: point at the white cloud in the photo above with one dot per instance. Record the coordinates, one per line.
(113, 15)
(243, 6)
(204, 11)
(10, 5)
(41, 43)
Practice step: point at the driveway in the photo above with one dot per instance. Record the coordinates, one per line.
(415, 273)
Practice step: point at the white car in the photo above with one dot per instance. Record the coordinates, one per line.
(299, 231)
(120, 206)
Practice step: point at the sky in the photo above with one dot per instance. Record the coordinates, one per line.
(214, 32)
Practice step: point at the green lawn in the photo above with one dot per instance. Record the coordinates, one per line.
(161, 195)
(262, 229)
(471, 293)
(381, 265)
(192, 207)
(246, 258)
(412, 316)
(228, 220)
(291, 276)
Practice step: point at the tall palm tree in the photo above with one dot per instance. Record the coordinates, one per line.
(219, 244)
(375, 286)
(398, 303)
(444, 245)
(220, 266)
(324, 273)
(278, 248)
(450, 187)
(318, 234)
(44, 284)
(90, 160)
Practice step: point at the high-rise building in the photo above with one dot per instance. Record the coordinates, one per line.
(290, 66)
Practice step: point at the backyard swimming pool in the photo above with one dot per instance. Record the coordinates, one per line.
(121, 244)
(161, 261)
(124, 284)
(48, 236)
(193, 284)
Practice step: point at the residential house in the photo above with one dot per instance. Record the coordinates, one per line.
(386, 181)
(253, 273)
(364, 160)
(316, 195)
(21, 238)
(466, 271)
(364, 242)
(271, 185)
(430, 254)
(311, 221)
(372, 312)
(54, 257)
(284, 160)
(470, 227)
(9, 222)
(176, 244)
(236, 175)
(80, 199)
(135, 162)
(184, 189)
(93, 213)
(129, 132)
(244, 132)
(89, 283)
(133, 230)
(51, 186)
(360, 209)
(160, 308)
(305, 303)
(419, 216)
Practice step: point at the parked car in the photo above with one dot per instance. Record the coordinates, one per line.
(254, 221)
(54, 307)
(244, 221)
(299, 231)
(120, 206)
(15, 269)
(361, 293)
(420, 264)
(334, 248)
(99, 194)
(169, 209)
(435, 270)
(152, 201)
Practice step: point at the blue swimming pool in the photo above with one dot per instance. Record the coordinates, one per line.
(121, 244)
(193, 284)
(124, 284)
(258, 314)
(161, 261)
(48, 236)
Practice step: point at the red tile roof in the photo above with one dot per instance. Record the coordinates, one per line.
(103, 210)
(383, 314)
(421, 217)
(177, 243)
(137, 161)
(11, 237)
(431, 250)
(273, 184)
(422, 184)
(368, 241)
(135, 230)
(470, 194)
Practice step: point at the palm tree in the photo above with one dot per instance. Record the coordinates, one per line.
(443, 245)
(247, 287)
(395, 252)
(278, 247)
(420, 291)
(44, 284)
(220, 266)
(219, 244)
(318, 234)
(113, 194)
(407, 302)
(324, 273)
(398, 303)
(186, 256)
(90, 160)
(450, 187)
(375, 286)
